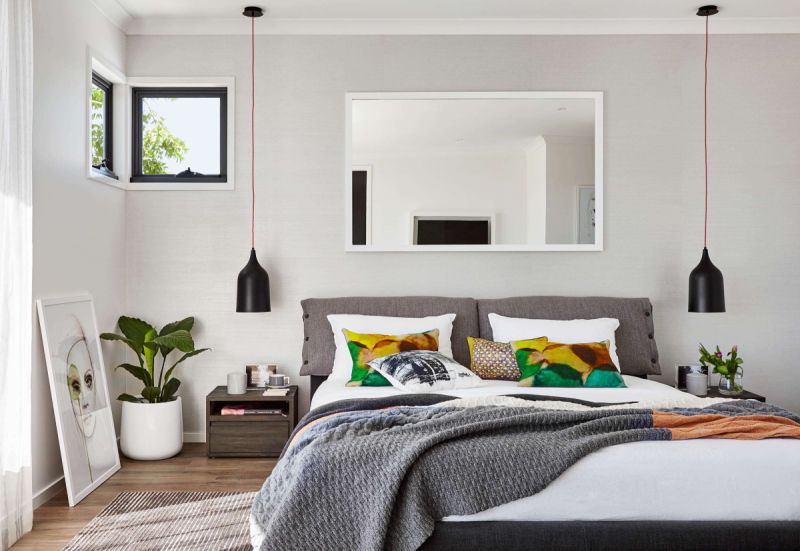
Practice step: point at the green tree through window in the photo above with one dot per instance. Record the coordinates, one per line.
(98, 126)
(158, 143)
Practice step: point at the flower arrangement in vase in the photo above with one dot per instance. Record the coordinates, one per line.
(729, 366)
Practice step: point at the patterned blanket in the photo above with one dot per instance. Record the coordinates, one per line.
(377, 473)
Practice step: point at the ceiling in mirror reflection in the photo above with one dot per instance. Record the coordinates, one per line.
(444, 125)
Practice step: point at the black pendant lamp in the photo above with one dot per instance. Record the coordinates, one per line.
(706, 286)
(252, 290)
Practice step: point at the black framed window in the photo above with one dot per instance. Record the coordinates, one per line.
(102, 126)
(180, 134)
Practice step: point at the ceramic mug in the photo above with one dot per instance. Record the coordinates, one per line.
(278, 379)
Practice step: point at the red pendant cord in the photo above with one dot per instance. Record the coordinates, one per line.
(705, 137)
(253, 132)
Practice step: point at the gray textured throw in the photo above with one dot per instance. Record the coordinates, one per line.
(371, 479)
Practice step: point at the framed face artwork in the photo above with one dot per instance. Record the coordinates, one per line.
(79, 391)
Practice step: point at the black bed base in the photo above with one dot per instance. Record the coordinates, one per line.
(615, 535)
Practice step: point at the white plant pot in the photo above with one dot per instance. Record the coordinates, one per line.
(151, 431)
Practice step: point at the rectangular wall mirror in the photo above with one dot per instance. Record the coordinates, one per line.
(474, 171)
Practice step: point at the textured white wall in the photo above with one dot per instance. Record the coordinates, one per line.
(441, 183)
(78, 224)
(536, 190)
(185, 249)
(570, 163)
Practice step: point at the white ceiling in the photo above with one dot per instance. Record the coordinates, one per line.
(452, 16)
(449, 9)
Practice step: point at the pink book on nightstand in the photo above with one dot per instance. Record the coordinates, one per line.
(249, 409)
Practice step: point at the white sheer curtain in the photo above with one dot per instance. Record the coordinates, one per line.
(16, 307)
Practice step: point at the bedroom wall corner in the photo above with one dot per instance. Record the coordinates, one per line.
(78, 224)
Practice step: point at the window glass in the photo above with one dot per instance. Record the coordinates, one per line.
(98, 118)
(180, 134)
(101, 127)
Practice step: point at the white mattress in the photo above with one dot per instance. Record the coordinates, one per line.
(682, 480)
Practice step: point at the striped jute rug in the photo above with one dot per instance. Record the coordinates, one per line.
(176, 521)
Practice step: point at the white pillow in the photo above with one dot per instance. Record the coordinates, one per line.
(563, 331)
(383, 325)
(424, 371)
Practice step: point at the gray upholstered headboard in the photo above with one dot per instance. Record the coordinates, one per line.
(636, 344)
(318, 347)
(636, 339)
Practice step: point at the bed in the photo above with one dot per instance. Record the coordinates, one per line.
(652, 494)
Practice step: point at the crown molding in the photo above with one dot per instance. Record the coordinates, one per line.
(114, 12)
(232, 26)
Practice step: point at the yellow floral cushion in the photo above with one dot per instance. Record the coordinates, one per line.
(544, 363)
(492, 360)
(366, 347)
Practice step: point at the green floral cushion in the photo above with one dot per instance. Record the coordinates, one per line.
(545, 363)
(366, 347)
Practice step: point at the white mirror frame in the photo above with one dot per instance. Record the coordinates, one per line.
(569, 247)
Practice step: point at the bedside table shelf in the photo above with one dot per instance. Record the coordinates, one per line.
(251, 418)
(253, 435)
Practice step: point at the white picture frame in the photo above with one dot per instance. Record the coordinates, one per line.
(79, 391)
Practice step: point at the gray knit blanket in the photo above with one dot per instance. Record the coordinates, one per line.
(366, 475)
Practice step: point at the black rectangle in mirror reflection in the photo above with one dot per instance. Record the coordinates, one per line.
(359, 207)
(453, 232)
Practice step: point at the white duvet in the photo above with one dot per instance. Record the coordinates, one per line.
(682, 480)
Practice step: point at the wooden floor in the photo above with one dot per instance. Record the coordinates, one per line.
(55, 523)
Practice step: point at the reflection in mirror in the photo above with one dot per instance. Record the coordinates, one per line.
(509, 171)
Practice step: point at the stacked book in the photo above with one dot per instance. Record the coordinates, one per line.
(276, 392)
(250, 409)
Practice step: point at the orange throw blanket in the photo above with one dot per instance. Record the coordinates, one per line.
(743, 427)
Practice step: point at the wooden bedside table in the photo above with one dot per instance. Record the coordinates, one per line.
(253, 435)
(713, 392)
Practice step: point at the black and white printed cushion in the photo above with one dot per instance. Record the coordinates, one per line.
(424, 371)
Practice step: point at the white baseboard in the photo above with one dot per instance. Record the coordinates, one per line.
(48, 492)
(193, 437)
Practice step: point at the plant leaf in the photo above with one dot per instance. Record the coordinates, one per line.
(170, 388)
(186, 324)
(138, 372)
(151, 393)
(180, 339)
(128, 398)
(134, 328)
(136, 347)
(150, 351)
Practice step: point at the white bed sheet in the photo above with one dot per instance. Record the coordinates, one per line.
(682, 480)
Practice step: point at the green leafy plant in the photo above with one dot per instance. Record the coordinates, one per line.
(726, 365)
(147, 344)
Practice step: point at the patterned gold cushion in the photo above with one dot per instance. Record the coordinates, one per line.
(492, 360)
(366, 347)
(544, 363)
